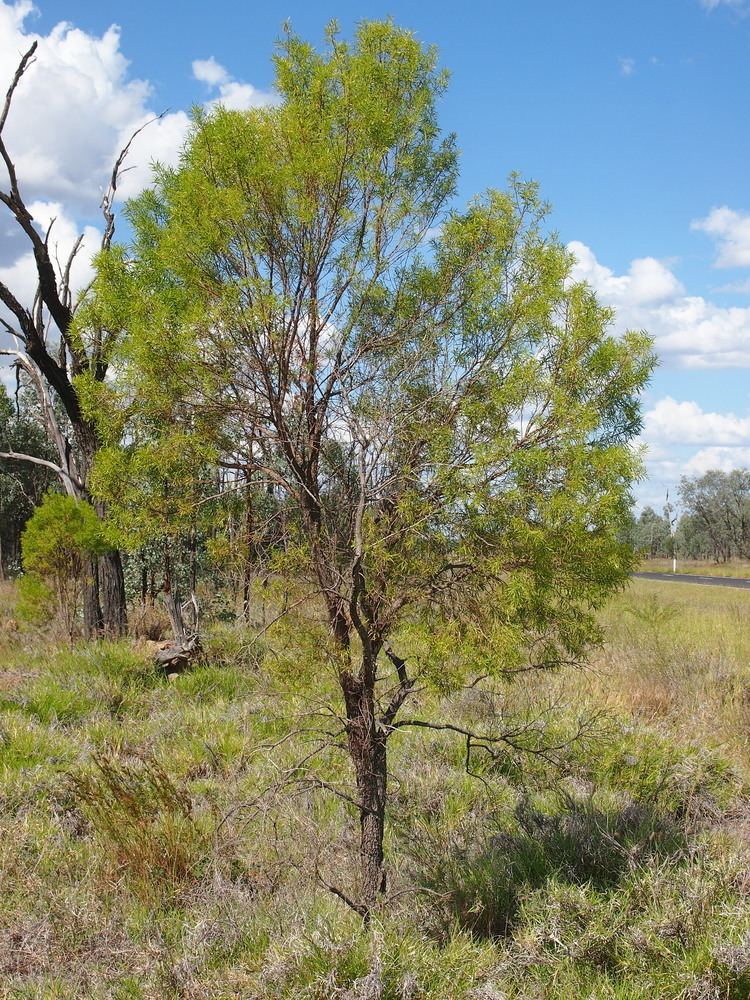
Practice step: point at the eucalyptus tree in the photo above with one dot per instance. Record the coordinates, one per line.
(718, 506)
(438, 401)
(651, 534)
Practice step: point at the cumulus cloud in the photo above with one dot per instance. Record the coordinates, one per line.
(77, 106)
(209, 71)
(648, 280)
(74, 110)
(627, 65)
(20, 274)
(670, 421)
(691, 331)
(235, 95)
(732, 232)
(683, 439)
(724, 459)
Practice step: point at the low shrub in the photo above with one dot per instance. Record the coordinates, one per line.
(146, 819)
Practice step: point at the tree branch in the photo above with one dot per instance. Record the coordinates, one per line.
(403, 691)
(117, 171)
(359, 908)
(65, 476)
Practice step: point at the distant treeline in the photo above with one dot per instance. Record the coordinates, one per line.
(714, 524)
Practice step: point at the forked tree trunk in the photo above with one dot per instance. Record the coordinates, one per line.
(172, 601)
(367, 748)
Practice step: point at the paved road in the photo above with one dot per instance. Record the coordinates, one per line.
(711, 581)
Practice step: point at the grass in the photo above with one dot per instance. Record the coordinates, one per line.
(143, 856)
(700, 567)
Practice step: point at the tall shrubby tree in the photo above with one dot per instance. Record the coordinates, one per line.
(58, 543)
(435, 397)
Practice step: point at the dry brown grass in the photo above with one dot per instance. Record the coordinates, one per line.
(701, 567)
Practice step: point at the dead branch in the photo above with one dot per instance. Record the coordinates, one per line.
(58, 470)
(512, 738)
(117, 171)
(359, 908)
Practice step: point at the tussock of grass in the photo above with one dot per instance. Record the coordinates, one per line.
(156, 840)
(146, 819)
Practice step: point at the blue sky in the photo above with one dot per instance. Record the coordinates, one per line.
(632, 116)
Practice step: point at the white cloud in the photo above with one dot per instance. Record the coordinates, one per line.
(683, 439)
(627, 65)
(725, 459)
(8, 379)
(736, 287)
(236, 95)
(160, 142)
(209, 71)
(73, 111)
(732, 231)
(648, 280)
(669, 421)
(20, 274)
(690, 330)
(709, 5)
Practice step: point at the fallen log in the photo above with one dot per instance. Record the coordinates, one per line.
(175, 656)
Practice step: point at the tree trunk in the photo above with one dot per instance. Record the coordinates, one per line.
(93, 622)
(367, 747)
(112, 591)
(171, 600)
(248, 561)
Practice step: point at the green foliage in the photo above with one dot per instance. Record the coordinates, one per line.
(429, 415)
(480, 884)
(651, 534)
(108, 679)
(653, 612)
(53, 702)
(59, 539)
(191, 868)
(22, 484)
(716, 522)
(60, 532)
(36, 600)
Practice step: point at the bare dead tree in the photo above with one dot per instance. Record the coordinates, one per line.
(46, 350)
